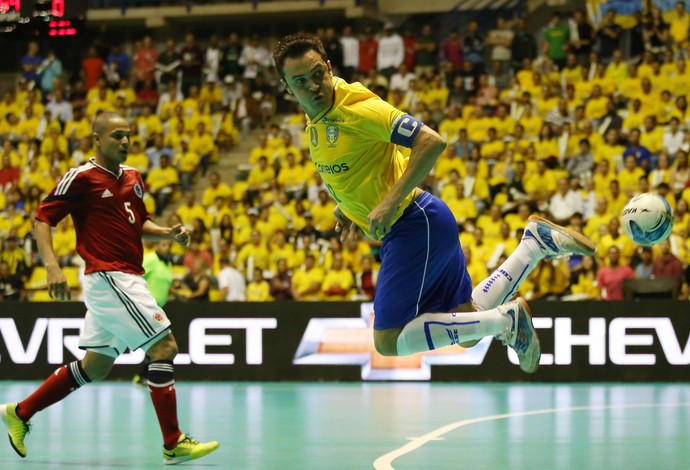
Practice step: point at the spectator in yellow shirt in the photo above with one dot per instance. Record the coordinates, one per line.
(262, 149)
(102, 103)
(291, 176)
(288, 146)
(149, 125)
(261, 176)
(629, 177)
(541, 185)
(324, 219)
(258, 290)
(190, 210)
(596, 105)
(602, 177)
(203, 145)
(254, 252)
(54, 141)
(162, 182)
(137, 159)
(210, 92)
(652, 136)
(65, 242)
(475, 268)
(338, 282)
(306, 282)
(680, 25)
(451, 125)
(635, 117)
(616, 238)
(187, 162)
(478, 127)
(616, 198)
(215, 189)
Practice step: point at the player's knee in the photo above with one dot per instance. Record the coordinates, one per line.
(164, 350)
(385, 346)
(96, 372)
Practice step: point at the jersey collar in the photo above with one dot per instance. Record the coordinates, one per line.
(93, 161)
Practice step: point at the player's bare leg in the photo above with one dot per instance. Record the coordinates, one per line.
(177, 447)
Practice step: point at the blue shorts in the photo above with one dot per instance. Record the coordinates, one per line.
(423, 268)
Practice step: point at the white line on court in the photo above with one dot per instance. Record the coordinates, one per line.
(385, 461)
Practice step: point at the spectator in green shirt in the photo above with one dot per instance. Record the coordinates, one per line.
(556, 37)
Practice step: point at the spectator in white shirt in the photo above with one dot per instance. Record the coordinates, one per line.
(231, 283)
(212, 60)
(391, 52)
(255, 58)
(401, 78)
(350, 53)
(673, 137)
(59, 107)
(565, 202)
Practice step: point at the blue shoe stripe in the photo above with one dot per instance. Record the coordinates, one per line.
(545, 235)
(529, 234)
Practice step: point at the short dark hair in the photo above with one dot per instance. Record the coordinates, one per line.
(296, 45)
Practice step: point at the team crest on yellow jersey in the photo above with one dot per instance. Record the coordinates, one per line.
(332, 133)
(314, 136)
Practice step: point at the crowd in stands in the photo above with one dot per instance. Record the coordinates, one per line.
(563, 123)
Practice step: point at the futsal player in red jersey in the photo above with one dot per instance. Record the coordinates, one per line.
(105, 199)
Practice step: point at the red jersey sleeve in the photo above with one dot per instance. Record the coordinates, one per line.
(68, 196)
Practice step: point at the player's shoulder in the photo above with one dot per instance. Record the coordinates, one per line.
(74, 178)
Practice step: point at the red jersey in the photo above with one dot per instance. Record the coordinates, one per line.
(108, 212)
(367, 55)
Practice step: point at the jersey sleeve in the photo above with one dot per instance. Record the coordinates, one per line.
(143, 211)
(65, 198)
(388, 124)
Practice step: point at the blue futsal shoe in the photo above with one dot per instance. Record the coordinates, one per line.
(556, 241)
(522, 337)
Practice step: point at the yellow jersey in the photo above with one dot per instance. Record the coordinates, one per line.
(350, 145)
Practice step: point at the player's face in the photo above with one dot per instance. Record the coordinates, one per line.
(309, 80)
(113, 143)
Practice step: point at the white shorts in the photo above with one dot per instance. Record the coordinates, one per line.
(121, 314)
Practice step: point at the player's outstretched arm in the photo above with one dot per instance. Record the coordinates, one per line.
(426, 149)
(154, 232)
(57, 282)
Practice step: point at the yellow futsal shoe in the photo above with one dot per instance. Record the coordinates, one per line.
(16, 428)
(188, 448)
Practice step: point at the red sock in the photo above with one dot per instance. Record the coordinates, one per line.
(61, 383)
(162, 387)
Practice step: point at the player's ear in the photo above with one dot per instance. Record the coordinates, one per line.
(330, 69)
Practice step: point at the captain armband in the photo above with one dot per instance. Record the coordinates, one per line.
(405, 130)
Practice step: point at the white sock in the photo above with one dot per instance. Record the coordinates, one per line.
(436, 330)
(500, 287)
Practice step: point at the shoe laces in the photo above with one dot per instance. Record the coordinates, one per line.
(189, 441)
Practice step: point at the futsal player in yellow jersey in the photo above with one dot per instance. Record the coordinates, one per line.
(424, 297)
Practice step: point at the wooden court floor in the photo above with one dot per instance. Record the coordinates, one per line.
(305, 426)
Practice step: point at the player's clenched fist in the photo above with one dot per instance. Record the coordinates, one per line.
(180, 234)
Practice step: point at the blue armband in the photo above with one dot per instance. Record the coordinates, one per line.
(405, 130)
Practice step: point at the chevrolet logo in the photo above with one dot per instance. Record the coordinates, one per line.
(350, 341)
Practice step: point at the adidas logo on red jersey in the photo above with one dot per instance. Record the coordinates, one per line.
(107, 193)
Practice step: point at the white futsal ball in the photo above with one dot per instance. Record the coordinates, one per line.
(647, 219)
